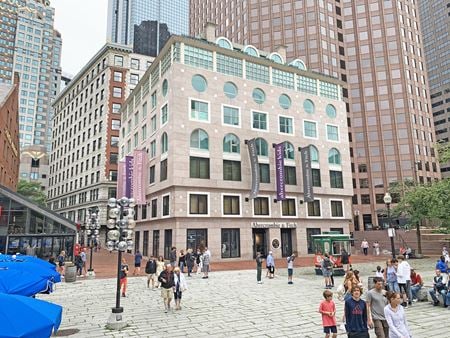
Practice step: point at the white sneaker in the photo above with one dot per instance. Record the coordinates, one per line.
(260, 282)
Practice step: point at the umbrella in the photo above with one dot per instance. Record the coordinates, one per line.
(31, 264)
(22, 282)
(27, 317)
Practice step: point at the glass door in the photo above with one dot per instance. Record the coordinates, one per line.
(259, 242)
(155, 243)
(167, 243)
(286, 242)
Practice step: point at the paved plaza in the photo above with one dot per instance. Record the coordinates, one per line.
(228, 304)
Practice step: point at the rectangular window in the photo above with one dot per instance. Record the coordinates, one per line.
(115, 124)
(314, 208)
(118, 76)
(310, 129)
(288, 207)
(135, 64)
(134, 79)
(154, 100)
(332, 133)
(316, 178)
(117, 92)
(286, 125)
(336, 209)
(199, 110)
(164, 114)
(154, 208)
(231, 243)
(336, 179)
(112, 175)
(261, 206)
(264, 173)
(163, 171)
(153, 123)
(116, 107)
(198, 167)
(152, 174)
(231, 170)
(259, 121)
(118, 60)
(231, 116)
(365, 199)
(114, 141)
(290, 176)
(153, 149)
(198, 204)
(231, 205)
(166, 205)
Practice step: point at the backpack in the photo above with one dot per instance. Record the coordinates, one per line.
(327, 263)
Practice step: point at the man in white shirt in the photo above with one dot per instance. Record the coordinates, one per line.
(404, 280)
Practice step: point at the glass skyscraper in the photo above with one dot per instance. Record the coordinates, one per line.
(124, 14)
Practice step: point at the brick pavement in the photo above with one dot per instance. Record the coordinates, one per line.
(228, 304)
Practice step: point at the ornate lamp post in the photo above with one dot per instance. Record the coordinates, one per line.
(93, 233)
(120, 238)
(391, 231)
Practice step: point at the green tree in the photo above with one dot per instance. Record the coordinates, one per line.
(443, 150)
(33, 191)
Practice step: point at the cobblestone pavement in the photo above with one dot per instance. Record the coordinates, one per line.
(228, 304)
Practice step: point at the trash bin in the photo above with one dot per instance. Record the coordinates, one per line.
(71, 273)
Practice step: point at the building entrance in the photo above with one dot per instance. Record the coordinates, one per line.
(259, 242)
(286, 242)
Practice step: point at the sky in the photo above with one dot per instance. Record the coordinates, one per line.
(82, 24)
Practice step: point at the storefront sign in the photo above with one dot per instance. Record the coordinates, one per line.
(281, 225)
(307, 174)
(279, 170)
(252, 153)
(129, 176)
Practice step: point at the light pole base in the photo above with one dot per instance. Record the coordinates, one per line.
(116, 322)
(90, 274)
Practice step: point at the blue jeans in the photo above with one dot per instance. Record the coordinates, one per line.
(182, 267)
(432, 293)
(393, 286)
(414, 290)
(447, 299)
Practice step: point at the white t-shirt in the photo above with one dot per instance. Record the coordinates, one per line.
(403, 272)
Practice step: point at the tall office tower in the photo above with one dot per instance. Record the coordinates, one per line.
(123, 15)
(86, 126)
(8, 17)
(150, 37)
(435, 20)
(376, 47)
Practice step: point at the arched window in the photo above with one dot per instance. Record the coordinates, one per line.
(199, 139)
(164, 143)
(308, 105)
(275, 57)
(199, 83)
(250, 50)
(314, 154)
(259, 96)
(224, 43)
(331, 111)
(334, 156)
(262, 149)
(288, 151)
(231, 144)
(230, 90)
(298, 64)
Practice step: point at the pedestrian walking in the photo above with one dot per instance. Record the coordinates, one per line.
(350, 282)
(259, 261)
(290, 266)
(84, 259)
(160, 266)
(166, 279)
(206, 262)
(376, 248)
(328, 310)
(190, 261)
(137, 263)
(376, 302)
(179, 287)
(79, 265)
(391, 275)
(182, 260)
(61, 263)
(365, 247)
(345, 259)
(404, 280)
(173, 256)
(395, 316)
(270, 264)
(327, 267)
(199, 262)
(124, 276)
(355, 314)
(150, 270)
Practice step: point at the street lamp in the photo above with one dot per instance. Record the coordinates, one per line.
(93, 233)
(120, 238)
(391, 231)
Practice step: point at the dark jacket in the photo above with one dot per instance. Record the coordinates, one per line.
(150, 267)
(355, 315)
(169, 279)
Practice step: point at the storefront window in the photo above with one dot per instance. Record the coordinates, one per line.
(196, 239)
(231, 243)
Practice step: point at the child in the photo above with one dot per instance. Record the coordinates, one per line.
(290, 265)
(328, 310)
(379, 272)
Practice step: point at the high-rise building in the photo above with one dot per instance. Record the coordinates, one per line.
(8, 16)
(194, 111)
(150, 37)
(86, 130)
(123, 15)
(435, 20)
(376, 48)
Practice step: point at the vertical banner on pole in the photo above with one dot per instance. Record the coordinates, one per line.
(121, 180)
(279, 169)
(307, 174)
(129, 176)
(252, 153)
(140, 161)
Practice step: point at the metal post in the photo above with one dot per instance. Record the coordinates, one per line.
(390, 226)
(118, 309)
(90, 259)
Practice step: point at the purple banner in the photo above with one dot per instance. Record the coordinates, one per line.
(140, 161)
(121, 179)
(308, 189)
(279, 170)
(128, 176)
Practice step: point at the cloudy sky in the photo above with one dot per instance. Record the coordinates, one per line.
(82, 24)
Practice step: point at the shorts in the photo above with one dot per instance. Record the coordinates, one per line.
(166, 293)
(151, 276)
(330, 329)
(290, 272)
(402, 287)
(326, 273)
(137, 265)
(271, 269)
